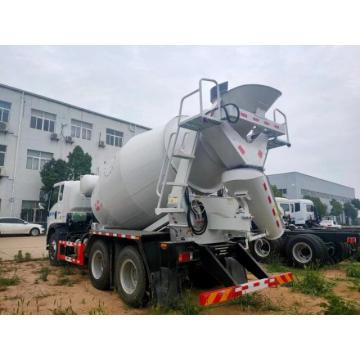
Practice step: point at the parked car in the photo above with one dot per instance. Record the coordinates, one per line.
(330, 223)
(11, 225)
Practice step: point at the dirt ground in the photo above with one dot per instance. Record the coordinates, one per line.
(43, 289)
(34, 245)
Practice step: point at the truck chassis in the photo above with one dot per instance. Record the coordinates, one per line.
(306, 247)
(146, 267)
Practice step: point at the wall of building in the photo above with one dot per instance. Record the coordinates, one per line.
(297, 185)
(17, 183)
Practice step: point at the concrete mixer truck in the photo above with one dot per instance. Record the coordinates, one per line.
(178, 204)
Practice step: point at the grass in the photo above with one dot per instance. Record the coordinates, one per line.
(338, 306)
(353, 271)
(65, 281)
(60, 310)
(98, 310)
(255, 301)
(67, 270)
(19, 257)
(312, 282)
(185, 305)
(44, 273)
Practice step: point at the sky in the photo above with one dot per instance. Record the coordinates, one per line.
(320, 88)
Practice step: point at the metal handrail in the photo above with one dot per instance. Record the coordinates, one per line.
(167, 160)
(285, 122)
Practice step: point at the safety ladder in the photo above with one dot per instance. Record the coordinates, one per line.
(196, 123)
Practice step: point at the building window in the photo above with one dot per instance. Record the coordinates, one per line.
(81, 129)
(37, 159)
(42, 120)
(114, 137)
(2, 154)
(4, 111)
(283, 191)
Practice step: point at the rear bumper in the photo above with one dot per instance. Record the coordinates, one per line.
(222, 295)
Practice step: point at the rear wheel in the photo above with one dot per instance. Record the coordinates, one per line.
(130, 277)
(263, 249)
(99, 265)
(34, 232)
(307, 249)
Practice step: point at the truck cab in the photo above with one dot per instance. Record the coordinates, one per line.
(64, 199)
(304, 212)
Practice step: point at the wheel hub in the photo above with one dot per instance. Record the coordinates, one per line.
(97, 264)
(302, 252)
(128, 276)
(262, 248)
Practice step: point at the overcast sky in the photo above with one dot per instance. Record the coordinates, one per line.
(320, 90)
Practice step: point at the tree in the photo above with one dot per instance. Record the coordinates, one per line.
(320, 207)
(350, 211)
(336, 208)
(356, 203)
(79, 163)
(276, 192)
(52, 172)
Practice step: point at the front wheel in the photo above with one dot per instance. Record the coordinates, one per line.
(53, 248)
(130, 277)
(34, 232)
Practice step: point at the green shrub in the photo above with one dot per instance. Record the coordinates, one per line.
(353, 270)
(185, 305)
(44, 272)
(255, 301)
(338, 306)
(312, 282)
(9, 281)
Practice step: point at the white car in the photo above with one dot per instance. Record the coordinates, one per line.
(329, 223)
(11, 225)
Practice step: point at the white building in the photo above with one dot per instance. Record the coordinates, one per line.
(35, 129)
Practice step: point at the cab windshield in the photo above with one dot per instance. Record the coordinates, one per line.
(54, 196)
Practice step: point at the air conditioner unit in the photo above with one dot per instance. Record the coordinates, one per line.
(101, 144)
(54, 137)
(68, 139)
(3, 127)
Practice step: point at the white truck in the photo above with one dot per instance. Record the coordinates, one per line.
(300, 212)
(177, 204)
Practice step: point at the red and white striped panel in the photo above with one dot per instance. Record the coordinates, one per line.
(117, 235)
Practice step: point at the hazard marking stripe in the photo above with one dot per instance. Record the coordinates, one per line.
(273, 211)
(269, 199)
(265, 186)
(119, 235)
(243, 115)
(277, 223)
(241, 149)
(229, 293)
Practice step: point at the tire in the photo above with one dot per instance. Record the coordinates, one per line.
(34, 232)
(99, 265)
(305, 250)
(263, 250)
(52, 251)
(130, 277)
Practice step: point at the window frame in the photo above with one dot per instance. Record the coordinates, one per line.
(4, 110)
(40, 160)
(2, 155)
(81, 129)
(114, 137)
(39, 118)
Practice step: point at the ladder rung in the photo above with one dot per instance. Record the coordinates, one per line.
(184, 156)
(179, 225)
(168, 210)
(172, 183)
